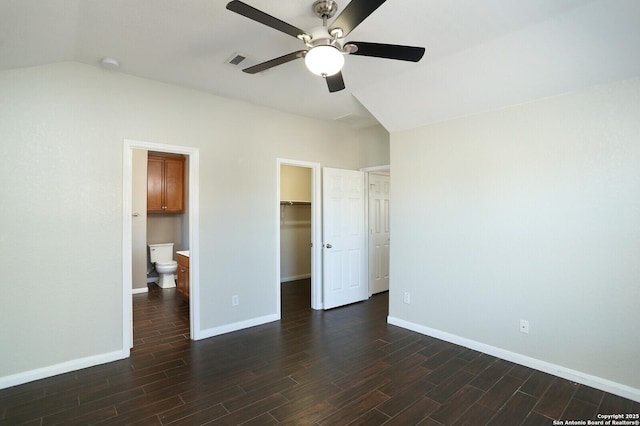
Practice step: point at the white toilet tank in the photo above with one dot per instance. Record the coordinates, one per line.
(161, 252)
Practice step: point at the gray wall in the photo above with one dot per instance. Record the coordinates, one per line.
(530, 212)
(61, 141)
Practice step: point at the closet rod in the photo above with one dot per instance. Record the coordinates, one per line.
(294, 203)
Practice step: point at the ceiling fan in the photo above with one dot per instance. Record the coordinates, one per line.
(325, 45)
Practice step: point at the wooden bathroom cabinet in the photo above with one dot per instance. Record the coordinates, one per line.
(165, 184)
(183, 276)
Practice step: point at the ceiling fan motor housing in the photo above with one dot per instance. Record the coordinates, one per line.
(321, 37)
(325, 9)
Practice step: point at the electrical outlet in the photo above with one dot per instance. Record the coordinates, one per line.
(407, 297)
(235, 300)
(524, 326)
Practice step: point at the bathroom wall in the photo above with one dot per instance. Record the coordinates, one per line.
(295, 223)
(165, 228)
(139, 221)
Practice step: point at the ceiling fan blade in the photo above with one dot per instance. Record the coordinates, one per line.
(264, 18)
(275, 62)
(335, 82)
(353, 14)
(389, 51)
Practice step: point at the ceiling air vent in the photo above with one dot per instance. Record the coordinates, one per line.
(240, 61)
(236, 59)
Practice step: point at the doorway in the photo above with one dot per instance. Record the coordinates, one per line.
(378, 181)
(192, 155)
(295, 235)
(286, 206)
(379, 231)
(167, 218)
(316, 228)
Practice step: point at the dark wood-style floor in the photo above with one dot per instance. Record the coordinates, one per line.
(344, 366)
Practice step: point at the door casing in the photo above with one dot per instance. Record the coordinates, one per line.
(194, 230)
(316, 232)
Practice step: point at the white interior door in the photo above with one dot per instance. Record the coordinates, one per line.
(344, 239)
(379, 236)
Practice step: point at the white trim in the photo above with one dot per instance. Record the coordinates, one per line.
(294, 278)
(127, 247)
(316, 231)
(140, 290)
(229, 328)
(382, 168)
(194, 231)
(64, 367)
(547, 367)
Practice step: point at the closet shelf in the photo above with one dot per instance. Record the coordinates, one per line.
(294, 203)
(285, 203)
(297, 223)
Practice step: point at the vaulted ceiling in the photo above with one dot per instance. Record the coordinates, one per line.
(480, 54)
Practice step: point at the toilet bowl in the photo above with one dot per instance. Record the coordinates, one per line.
(166, 271)
(161, 255)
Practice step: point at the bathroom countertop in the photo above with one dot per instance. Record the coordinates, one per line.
(183, 252)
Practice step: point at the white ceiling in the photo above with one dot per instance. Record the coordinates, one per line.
(481, 54)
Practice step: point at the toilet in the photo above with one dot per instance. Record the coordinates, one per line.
(161, 256)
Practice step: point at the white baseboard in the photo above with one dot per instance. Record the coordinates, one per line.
(139, 290)
(295, 278)
(78, 364)
(64, 367)
(556, 370)
(216, 331)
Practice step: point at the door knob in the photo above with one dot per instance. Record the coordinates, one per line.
(329, 246)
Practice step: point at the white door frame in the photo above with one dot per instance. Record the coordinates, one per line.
(367, 170)
(194, 243)
(316, 231)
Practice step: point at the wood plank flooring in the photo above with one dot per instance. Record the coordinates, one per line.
(344, 366)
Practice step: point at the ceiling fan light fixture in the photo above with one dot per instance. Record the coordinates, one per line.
(325, 46)
(324, 60)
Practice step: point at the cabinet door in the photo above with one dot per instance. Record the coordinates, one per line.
(186, 283)
(155, 172)
(174, 185)
(181, 282)
(183, 276)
